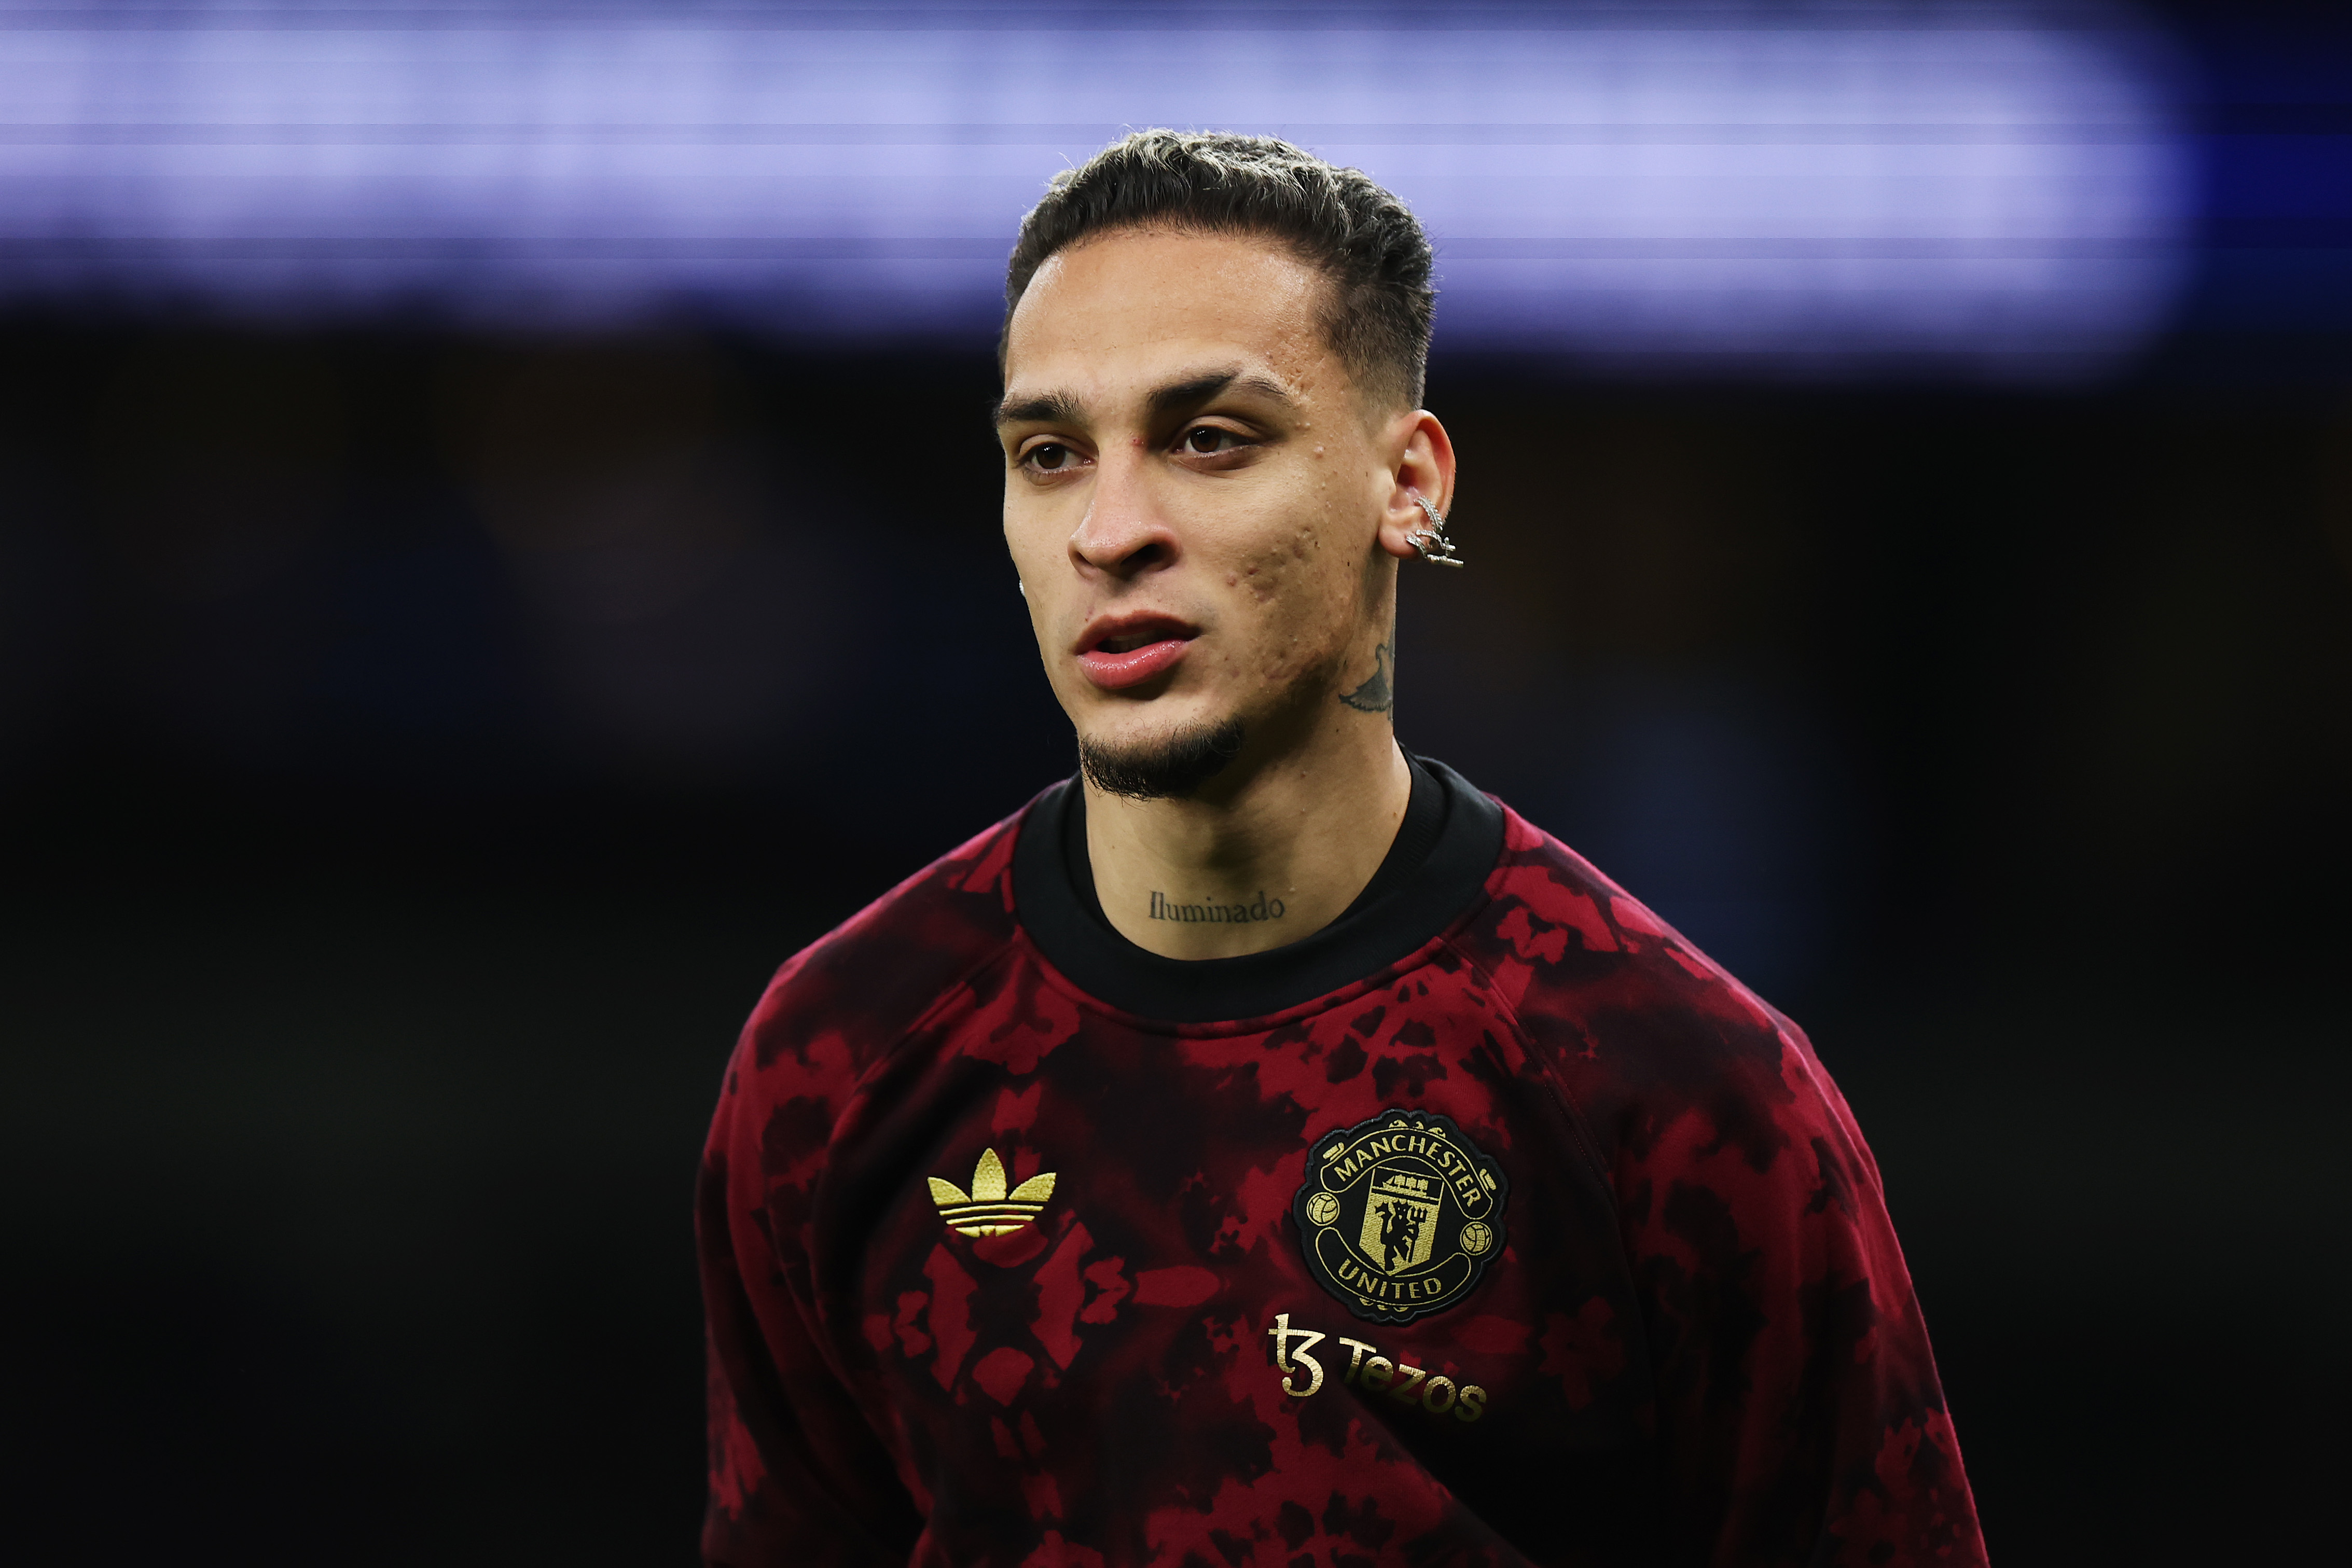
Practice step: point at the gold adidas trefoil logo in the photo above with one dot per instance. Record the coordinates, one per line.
(988, 1210)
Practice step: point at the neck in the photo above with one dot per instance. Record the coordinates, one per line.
(1266, 861)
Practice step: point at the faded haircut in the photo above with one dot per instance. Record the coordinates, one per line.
(1336, 220)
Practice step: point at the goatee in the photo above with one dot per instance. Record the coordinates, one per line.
(1169, 768)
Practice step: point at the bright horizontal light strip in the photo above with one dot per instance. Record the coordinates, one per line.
(1983, 190)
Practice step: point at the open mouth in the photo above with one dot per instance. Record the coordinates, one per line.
(1128, 641)
(1125, 653)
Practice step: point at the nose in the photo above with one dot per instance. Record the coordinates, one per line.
(1123, 534)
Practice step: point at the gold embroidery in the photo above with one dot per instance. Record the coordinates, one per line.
(1400, 1216)
(988, 1210)
(1289, 1362)
(1369, 1372)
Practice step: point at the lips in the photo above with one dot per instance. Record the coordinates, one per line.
(1128, 650)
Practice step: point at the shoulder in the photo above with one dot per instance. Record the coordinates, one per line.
(840, 1003)
(1654, 1042)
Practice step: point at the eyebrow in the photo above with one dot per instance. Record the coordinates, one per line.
(1062, 408)
(1184, 395)
(1046, 407)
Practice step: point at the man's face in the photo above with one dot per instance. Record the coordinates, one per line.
(1194, 490)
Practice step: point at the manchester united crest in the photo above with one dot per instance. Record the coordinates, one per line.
(1400, 1215)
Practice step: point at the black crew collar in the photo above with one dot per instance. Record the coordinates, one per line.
(1448, 843)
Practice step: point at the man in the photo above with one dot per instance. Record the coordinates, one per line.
(1266, 1148)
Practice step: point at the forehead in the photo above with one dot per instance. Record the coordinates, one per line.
(1118, 311)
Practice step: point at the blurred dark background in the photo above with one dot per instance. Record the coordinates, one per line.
(419, 744)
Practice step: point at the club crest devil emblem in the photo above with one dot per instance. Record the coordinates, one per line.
(1400, 1215)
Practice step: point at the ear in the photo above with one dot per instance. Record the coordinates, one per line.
(1421, 462)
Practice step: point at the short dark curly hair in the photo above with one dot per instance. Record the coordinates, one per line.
(1336, 220)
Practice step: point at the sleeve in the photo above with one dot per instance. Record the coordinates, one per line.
(798, 1473)
(1798, 1410)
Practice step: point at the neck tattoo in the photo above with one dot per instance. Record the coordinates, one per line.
(1376, 694)
(1209, 912)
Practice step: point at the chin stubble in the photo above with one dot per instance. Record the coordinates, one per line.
(1169, 768)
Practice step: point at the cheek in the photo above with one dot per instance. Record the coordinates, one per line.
(1296, 562)
(1040, 587)
(1264, 576)
(1033, 544)
(1300, 598)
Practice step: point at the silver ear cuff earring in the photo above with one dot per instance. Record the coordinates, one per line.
(1431, 542)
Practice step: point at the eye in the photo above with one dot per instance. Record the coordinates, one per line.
(1208, 440)
(1050, 458)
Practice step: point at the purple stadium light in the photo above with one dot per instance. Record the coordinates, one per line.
(1970, 191)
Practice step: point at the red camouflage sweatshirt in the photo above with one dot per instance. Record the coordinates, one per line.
(1492, 1225)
